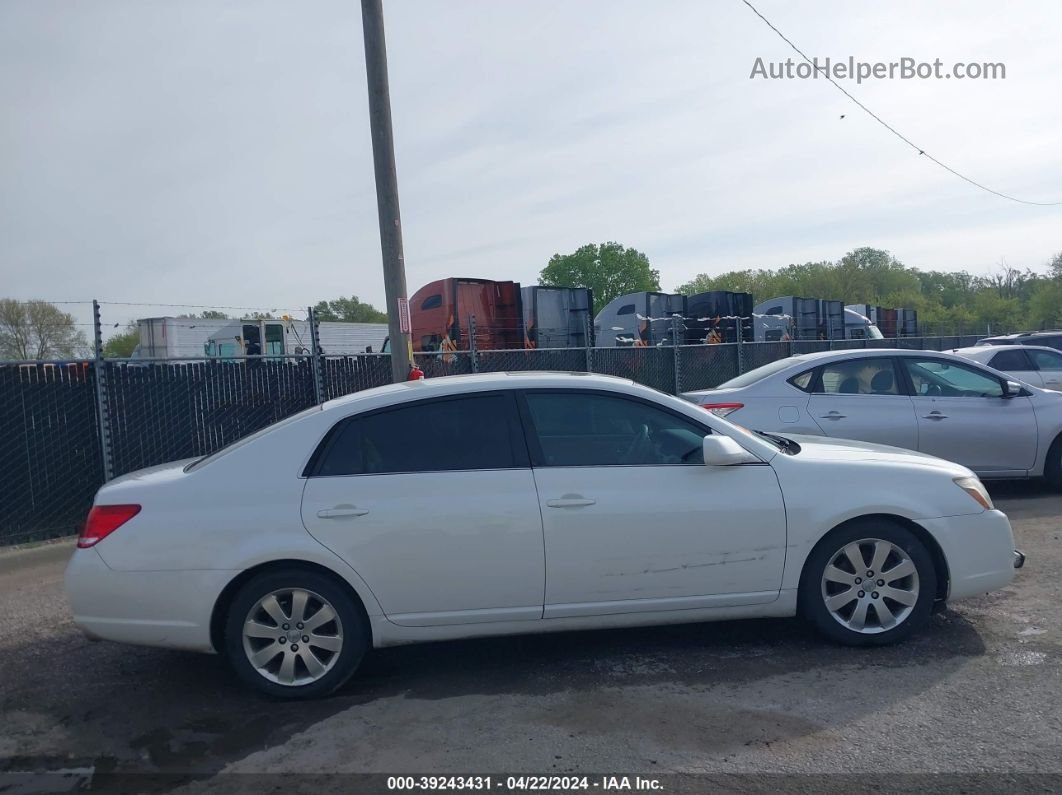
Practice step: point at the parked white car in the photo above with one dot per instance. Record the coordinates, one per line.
(936, 403)
(514, 503)
(1034, 364)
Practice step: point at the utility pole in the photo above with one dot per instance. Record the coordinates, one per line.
(383, 155)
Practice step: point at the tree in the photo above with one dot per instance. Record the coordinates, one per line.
(121, 345)
(348, 310)
(609, 269)
(207, 314)
(38, 330)
(1056, 266)
(1045, 306)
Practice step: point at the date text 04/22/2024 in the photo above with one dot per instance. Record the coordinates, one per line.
(522, 783)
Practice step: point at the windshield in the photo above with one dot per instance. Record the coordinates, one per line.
(752, 376)
(874, 333)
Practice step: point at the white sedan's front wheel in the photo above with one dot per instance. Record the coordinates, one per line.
(868, 584)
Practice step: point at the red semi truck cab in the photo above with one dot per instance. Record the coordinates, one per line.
(441, 313)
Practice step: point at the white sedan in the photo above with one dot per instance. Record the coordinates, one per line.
(515, 503)
(936, 403)
(1034, 364)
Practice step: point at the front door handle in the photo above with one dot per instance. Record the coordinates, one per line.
(340, 513)
(570, 502)
(834, 415)
(935, 415)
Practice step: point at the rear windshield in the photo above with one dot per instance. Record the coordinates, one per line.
(752, 376)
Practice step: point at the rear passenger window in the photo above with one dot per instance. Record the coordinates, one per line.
(437, 436)
(1010, 359)
(859, 376)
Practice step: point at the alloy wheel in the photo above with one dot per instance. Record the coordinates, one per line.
(292, 636)
(870, 586)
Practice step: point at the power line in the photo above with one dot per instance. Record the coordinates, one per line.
(888, 126)
(172, 306)
(198, 306)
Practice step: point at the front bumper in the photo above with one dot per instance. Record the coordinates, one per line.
(979, 551)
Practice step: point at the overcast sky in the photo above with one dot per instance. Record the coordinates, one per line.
(213, 152)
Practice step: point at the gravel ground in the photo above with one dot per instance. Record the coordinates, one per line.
(980, 691)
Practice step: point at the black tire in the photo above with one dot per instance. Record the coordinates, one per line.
(1053, 465)
(350, 624)
(814, 589)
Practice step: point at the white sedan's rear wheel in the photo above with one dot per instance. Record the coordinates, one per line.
(868, 584)
(294, 634)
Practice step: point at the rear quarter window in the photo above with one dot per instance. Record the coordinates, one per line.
(803, 381)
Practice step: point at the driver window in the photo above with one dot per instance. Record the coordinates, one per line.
(939, 378)
(581, 429)
(1046, 360)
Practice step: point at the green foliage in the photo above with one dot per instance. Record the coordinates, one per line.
(1008, 299)
(609, 269)
(208, 314)
(121, 345)
(349, 310)
(39, 330)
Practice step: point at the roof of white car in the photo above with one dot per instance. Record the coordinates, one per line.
(459, 384)
(815, 356)
(984, 352)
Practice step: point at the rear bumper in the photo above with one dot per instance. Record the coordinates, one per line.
(979, 550)
(171, 609)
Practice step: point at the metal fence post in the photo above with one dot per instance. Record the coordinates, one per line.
(102, 413)
(316, 362)
(677, 335)
(740, 352)
(472, 348)
(588, 339)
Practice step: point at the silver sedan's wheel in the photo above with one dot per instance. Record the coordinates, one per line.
(292, 636)
(870, 586)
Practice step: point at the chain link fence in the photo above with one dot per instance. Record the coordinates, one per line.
(653, 367)
(50, 447)
(167, 411)
(556, 359)
(341, 375)
(706, 366)
(62, 433)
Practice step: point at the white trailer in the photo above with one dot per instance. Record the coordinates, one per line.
(195, 338)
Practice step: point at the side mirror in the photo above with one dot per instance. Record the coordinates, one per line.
(1011, 389)
(722, 451)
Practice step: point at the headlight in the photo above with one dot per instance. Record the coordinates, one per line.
(976, 489)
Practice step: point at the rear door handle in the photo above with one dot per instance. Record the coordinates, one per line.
(935, 415)
(340, 513)
(570, 502)
(834, 415)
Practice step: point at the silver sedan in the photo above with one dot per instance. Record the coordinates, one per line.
(935, 403)
(1034, 364)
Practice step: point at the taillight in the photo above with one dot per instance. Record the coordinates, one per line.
(722, 409)
(104, 520)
